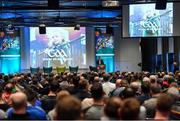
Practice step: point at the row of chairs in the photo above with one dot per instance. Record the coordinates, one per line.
(61, 69)
(58, 69)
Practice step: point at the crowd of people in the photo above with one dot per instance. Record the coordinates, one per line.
(90, 96)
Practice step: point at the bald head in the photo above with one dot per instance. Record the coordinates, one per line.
(96, 79)
(118, 83)
(19, 100)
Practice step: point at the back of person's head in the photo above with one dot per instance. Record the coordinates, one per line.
(54, 86)
(164, 103)
(85, 75)
(146, 79)
(69, 108)
(8, 87)
(174, 92)
(31, 94)
(96, 79)
(106, 77)
(135, 86)
(62, 94)
(124, 83)
(97, 91)
(118, 83)
(112, 107)
(19, 101)
(35, 80)
(155, 88)
(128, 93)
(130, 109)
(167, 80)
(83, 84)
(145, 88)
(6, 78)
(76, 80)
(153, 79)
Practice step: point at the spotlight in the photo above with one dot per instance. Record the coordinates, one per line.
(110, 3)
(42, 29)
(77, 27)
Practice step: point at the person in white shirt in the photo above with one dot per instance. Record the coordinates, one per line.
(107, 86)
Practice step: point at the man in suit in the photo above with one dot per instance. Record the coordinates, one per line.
(99, 61)
(100, 64)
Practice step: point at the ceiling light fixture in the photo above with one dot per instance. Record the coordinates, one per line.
(110, 3)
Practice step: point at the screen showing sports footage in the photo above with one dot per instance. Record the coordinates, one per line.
(146, 21)
(104, 43)
(59, 46)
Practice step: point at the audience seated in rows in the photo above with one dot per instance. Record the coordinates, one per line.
(90, 96)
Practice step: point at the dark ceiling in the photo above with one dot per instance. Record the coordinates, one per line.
(69, 12)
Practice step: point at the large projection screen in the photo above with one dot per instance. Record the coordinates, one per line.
(60, 46)
(143, 20)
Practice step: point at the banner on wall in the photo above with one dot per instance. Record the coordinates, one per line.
(10, 52)
(105, 48)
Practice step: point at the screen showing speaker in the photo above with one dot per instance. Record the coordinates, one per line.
(59, 46)
(146, 21)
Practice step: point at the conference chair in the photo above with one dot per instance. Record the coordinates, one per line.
(47, 70)
(93, 68)
(61, 69)
(34, 70)
(73, 69)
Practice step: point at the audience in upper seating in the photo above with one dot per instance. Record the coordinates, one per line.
(90, 96)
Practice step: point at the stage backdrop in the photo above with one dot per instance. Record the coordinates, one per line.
(59, 46)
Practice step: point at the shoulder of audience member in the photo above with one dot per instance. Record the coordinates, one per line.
(9, 111)
(36, 112)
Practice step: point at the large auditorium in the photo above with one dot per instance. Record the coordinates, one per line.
(89, 60)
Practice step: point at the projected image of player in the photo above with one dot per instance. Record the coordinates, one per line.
(146, 21)
(151, 24)
(59, 46)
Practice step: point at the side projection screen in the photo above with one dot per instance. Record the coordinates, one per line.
(145, 21)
